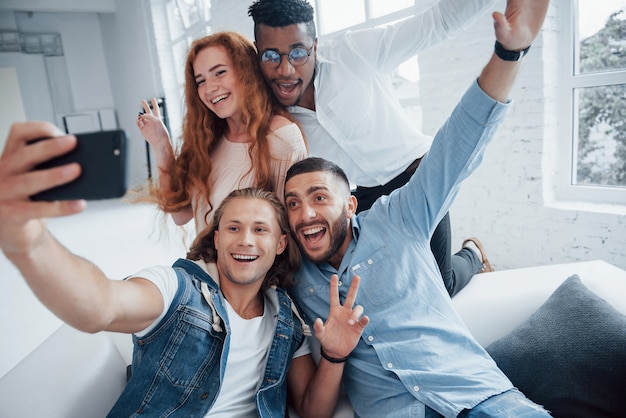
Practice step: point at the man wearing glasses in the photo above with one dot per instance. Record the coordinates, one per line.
(342, 95)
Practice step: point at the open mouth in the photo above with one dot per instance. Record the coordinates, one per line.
(313, 235)
(245, 258)
(286, 89)
(220, 98)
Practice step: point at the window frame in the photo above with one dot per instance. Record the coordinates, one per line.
(370, 20)
(565, 189)
(173, 71)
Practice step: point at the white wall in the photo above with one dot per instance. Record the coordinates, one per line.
(32, 87)
(84, 54)
(502, 203)
(11, 104)
(110, 63)
(131, 60)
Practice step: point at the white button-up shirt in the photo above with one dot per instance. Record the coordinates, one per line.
(359, 123)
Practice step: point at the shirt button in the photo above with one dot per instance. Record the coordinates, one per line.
(204, 396)
(416, 388)
(311, 290)
(339, 283)
(370, 261)
(390, 365)
(370, 338)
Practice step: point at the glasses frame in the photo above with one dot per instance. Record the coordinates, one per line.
(273, 65)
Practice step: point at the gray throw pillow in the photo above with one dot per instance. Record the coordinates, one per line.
(570, 355)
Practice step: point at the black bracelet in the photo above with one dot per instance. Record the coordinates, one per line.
(332, 359)
(507, 55)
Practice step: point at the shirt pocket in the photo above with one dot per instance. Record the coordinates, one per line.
(312, 299)
(346, 110)
(383, 277)
(191, 349)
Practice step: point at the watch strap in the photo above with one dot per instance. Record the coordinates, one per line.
(332, 359)
(508, 55)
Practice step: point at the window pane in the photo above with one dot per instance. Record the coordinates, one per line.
(174, 20)
(336, 15)
(601, 35)
(381, 8)
(190, 11)
(180, 54)
(601, 158)
(206, 4)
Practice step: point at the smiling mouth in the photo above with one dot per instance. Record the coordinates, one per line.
(313, 234)
(245, 257)
(220, 98)
(287, 89)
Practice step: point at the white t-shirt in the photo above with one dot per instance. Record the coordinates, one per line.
(249, 346)
(250, 341)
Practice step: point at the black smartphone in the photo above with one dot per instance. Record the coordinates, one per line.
(102, 157)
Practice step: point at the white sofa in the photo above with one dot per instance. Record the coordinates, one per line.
(73, 374)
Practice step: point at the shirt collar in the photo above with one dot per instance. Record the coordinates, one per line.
(356, 227)
(319, 61)
(356, 230)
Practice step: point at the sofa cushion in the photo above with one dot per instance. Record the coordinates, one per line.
(72, 374)
(570, 355)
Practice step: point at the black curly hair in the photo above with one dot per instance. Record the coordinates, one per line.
(280, 13)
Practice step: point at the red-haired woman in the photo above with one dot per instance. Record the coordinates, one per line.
(234, 135)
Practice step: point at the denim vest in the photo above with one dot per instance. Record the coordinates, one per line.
(177, 367)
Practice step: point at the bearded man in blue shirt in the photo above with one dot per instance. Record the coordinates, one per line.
(416, 358)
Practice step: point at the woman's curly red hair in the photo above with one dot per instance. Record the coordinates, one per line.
(202, 129)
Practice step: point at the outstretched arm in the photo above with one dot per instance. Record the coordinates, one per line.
(516, 29)
(154, 131)
(70, 286)
(315, 392)
(388, 47)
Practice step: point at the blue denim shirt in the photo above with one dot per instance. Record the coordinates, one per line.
(416, 350)
(177, 367)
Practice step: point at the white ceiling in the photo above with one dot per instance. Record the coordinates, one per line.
(90, 6)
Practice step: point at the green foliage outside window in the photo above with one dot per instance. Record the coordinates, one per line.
(602, 109)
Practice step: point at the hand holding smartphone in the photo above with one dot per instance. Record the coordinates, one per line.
(102, 157)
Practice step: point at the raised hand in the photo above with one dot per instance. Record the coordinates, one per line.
(516, 29)
(151, 126)
(344, 326)
(153, 129)
(521, 22)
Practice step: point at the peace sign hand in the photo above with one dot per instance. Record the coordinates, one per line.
(151, 125)
(345, 323)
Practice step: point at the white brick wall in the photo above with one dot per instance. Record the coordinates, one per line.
(502, 203)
